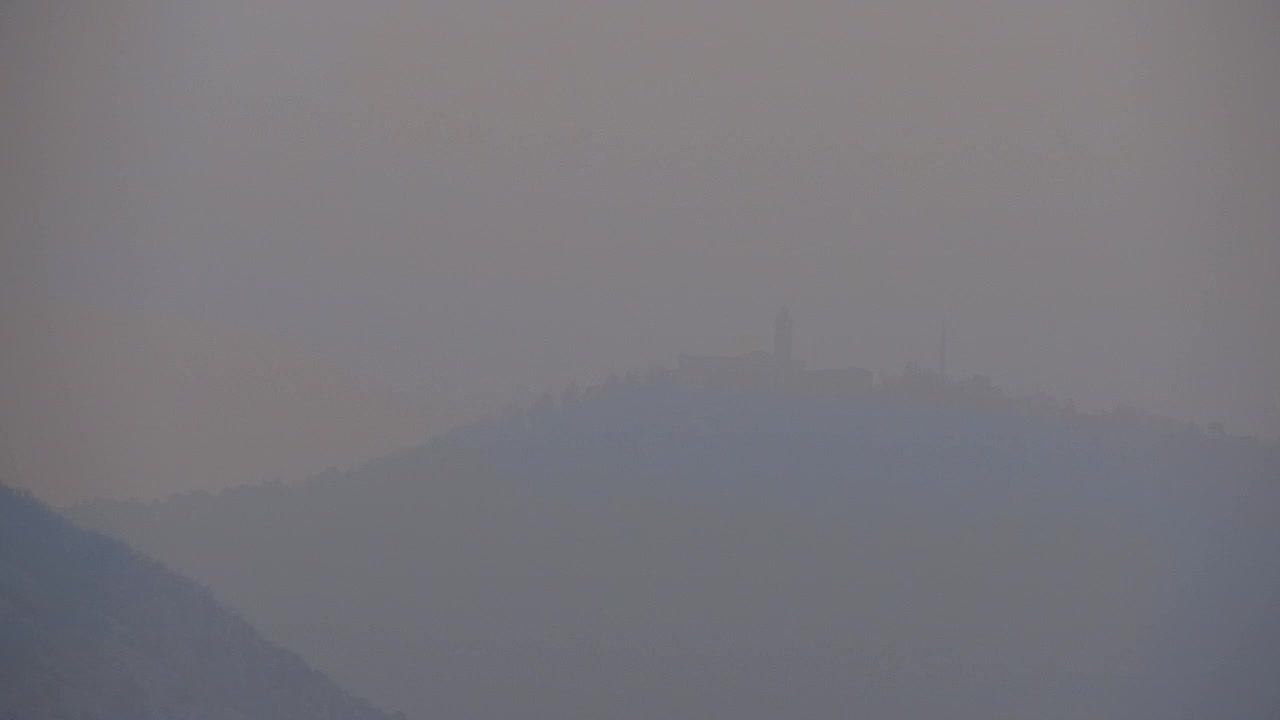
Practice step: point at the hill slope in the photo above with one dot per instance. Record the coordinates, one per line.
(658, 550)
(89, 629)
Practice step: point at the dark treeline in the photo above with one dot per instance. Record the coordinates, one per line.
(759, 374)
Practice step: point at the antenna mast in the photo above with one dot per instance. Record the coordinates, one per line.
(942, 352)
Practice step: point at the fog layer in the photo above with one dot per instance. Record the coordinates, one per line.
(467, 203)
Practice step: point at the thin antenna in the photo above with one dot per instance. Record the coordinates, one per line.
(942, 352)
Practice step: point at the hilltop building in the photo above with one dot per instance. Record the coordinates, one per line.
(777, 371)
(753, 369)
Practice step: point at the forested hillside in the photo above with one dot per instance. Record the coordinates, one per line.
(91, 630)
(656, 550)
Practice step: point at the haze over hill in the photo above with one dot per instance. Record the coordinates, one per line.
(113, 403)
(658, 548)
(252, 239)
(471, 202)
(91, 630)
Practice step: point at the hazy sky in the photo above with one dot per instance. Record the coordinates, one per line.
(466, 202)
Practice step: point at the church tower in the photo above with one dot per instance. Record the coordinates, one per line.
(782, 340)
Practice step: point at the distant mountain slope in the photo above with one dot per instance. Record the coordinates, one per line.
(655, 550)
(91, 630)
